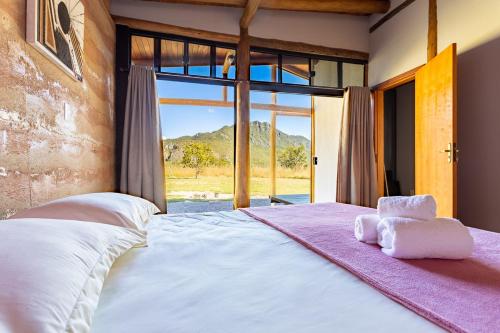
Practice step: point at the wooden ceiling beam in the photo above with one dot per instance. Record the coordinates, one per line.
(176, 30)
(249, 13)
(358, 7)
(306, 48)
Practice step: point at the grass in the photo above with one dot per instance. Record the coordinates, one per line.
(220, 180)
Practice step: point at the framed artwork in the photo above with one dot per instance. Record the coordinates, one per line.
(55, 28)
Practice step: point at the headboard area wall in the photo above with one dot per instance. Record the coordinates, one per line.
(56, 132)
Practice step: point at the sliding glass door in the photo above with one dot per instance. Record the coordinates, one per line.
(280, 148)
(198, 142)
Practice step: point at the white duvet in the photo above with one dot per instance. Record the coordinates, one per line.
(226, 272)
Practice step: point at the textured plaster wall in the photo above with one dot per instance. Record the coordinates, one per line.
(45, 152)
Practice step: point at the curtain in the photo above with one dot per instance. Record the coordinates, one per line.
(142, 169)
(356, 173)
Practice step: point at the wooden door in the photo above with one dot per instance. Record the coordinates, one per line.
(436, 130)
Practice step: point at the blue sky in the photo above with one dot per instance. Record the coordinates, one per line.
(180, 120)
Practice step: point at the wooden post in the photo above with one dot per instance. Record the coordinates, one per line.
(242, 158)
(432, 31)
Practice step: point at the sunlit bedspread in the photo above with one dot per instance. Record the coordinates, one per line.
(226, 272)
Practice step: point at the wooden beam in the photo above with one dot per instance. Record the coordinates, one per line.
(249, 13)
(391, 14)
(432, 30)
(300, 47)
(228, 61)
(282, 109)
(359, 7)
(234, 39)
(243, 56)
(175, 30)
(242, 151)
(242, 158)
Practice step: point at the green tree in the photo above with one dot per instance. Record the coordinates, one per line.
(197, 155)
(293, 157)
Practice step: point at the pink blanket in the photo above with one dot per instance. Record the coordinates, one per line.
(458, 295)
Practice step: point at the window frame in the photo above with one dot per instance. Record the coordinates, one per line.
(254, 84)
(339, 60)
(186, 77)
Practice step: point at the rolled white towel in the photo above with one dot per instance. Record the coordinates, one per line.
(407, 238)
(422, 207)
(365, 228)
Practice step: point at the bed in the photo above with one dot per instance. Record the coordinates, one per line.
(79, 264)
(227, 272)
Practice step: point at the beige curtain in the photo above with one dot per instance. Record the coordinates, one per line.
(142, 171)
(356, 174)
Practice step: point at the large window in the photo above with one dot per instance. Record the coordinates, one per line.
(198, 143)
(196, 85)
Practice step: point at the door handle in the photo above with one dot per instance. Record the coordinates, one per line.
(452, 152)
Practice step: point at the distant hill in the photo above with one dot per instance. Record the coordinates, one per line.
(222, 143)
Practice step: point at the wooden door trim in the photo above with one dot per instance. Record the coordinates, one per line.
(378, 107)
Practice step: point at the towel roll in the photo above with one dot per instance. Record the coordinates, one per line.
(422, 207)
(365, 228)
(407, 238)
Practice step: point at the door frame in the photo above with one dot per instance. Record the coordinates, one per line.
(378, 108)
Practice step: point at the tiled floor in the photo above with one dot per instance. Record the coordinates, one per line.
(209, 205)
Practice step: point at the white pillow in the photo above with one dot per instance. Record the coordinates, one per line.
(52, 273)
(118, 209)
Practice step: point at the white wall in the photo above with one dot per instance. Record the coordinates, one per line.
(401, 44)
(340, 31)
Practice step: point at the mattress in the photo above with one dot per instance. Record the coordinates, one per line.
(226, 272)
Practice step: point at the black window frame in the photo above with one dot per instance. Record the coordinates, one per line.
(186, 77)
(294, 86)
(278, 87)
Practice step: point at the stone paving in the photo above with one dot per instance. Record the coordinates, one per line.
(200, 206)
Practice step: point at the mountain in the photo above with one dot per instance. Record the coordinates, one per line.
(222, 143)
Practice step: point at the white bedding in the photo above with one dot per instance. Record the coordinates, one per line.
(226, 272)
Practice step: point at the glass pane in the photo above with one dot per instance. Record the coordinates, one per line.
(295, 70)
(353, 75)
(325, 73)
(172, 56)
(280, 147)
(198, 145)
(293, 157)
(225, 61)
(199, 60)
(263, 67)
(142, 51)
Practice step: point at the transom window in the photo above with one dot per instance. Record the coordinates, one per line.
(202, 61)
(182, 56)
(306, 70)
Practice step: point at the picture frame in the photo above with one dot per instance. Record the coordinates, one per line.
(56, 29)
